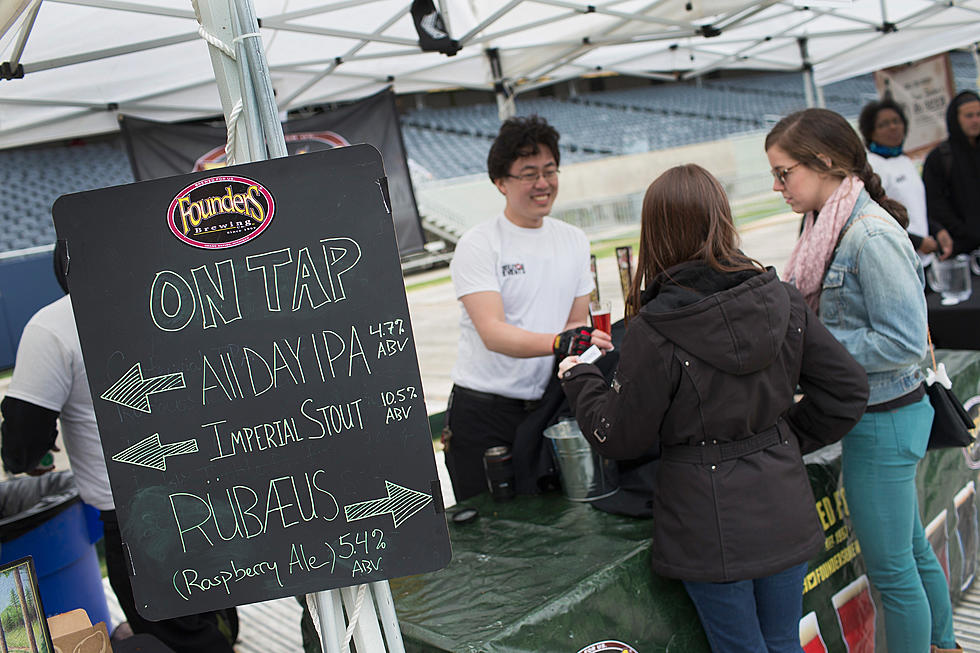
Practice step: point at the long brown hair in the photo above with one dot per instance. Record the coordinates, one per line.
(685, 217)
(807, 134)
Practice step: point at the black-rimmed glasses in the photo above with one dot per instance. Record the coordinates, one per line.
(530, 177)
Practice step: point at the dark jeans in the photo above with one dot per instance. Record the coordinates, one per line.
(478, 421)
(209, 632)
(752, 616)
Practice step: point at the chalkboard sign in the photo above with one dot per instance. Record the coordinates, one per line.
(248, 348)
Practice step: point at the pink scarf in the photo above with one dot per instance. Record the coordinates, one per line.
(811, 256)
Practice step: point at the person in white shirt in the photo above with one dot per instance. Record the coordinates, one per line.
(524, 283)
(883, 126)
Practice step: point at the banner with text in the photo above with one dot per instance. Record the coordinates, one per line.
(159, 149)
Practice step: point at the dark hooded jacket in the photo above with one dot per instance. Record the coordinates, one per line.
(951, 175)
(711, 365)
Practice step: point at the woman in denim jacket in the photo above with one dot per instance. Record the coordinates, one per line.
(856, 267)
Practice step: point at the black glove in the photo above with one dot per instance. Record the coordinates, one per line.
(572, 342)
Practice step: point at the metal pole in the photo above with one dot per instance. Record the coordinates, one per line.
(259, 67)
(327, 614)
(253, 127)
(389, 620)
(807, 71)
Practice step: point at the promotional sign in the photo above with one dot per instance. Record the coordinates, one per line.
(923, 89)
(248, 347)
(159, 149)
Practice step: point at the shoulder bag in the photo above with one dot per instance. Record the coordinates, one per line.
(952, 426)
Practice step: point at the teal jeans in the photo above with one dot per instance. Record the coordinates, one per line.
(880, 456)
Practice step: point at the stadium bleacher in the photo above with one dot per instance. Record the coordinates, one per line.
(453, 141)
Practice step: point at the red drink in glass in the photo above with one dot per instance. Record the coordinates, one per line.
(856, 615)
(601, 312)
(810, 638)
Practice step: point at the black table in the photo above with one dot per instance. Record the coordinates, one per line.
(956, 326)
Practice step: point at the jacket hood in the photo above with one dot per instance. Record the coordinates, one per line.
(956, 135)
(735, 321)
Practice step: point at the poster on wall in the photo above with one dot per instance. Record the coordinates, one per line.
(923, 89)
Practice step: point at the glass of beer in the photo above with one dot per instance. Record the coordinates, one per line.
(810, 638)
(601, 312)
(856, 615)
(967, 532)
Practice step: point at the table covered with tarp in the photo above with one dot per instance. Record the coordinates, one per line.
(544, 574)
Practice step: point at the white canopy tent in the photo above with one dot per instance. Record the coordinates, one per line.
(84, 61)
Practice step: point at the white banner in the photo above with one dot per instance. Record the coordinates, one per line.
(923, 89)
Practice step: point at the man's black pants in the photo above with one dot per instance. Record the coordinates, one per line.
(476, 422)
(208, 632)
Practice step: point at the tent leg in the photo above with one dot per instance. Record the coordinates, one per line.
(261, 81)
(327, 605)
(375, 628)
(386, 613)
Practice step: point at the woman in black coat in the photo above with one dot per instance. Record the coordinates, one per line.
(715, 349)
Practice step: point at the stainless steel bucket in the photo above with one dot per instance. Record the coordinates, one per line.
(585, 475)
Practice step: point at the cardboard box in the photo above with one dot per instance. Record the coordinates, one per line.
(73, 632)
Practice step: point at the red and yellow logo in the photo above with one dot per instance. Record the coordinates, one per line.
(221, 212)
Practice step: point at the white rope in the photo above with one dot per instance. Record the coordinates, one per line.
(208, 36)
(216, 42)
(232, 129)
(352, 622)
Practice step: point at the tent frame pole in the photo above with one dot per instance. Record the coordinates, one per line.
(245, 88)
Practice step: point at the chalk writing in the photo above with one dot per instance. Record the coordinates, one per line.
(150, 452)
(133, 391)
(291, 501)
(401, 503)
(174, 302)
(285, 362)
(188, 581)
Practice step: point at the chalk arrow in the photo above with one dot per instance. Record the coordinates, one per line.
(133, 391)
(149, 452)
(401, 502)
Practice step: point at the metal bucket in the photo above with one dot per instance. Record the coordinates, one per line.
(585, 475)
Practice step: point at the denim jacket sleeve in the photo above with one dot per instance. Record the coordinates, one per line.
(891, 333)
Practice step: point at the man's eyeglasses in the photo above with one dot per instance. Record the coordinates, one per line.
(780, 175)
(530, 177)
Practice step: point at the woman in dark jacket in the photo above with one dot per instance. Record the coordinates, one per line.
(715, 349)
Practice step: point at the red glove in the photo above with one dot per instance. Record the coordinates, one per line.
(572, 342)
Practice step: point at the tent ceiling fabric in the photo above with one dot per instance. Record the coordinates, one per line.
(145, 58)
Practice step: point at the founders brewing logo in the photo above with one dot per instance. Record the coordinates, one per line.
(220, 212)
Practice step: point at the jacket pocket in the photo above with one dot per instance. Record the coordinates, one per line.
(832, 295)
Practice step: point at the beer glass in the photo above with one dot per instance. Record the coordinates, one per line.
(951, 278)
(856, 615)
(810, 638)
(936, 534)
(967, 532)
(601, 312)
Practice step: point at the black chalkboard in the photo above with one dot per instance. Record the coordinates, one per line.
(248, 348)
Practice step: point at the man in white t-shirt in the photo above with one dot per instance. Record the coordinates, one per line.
(49, 382)
(524, 282)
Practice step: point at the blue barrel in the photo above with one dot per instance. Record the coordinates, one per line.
(43, 517)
